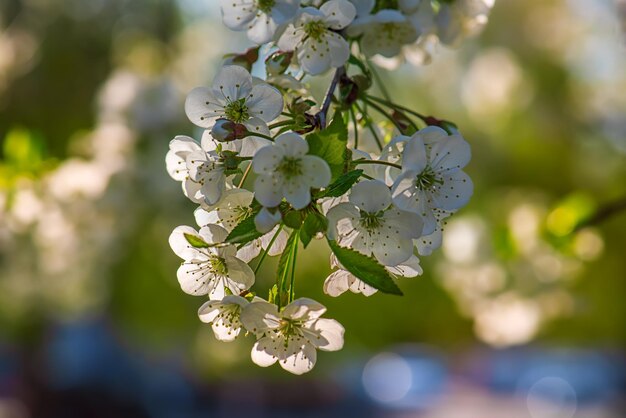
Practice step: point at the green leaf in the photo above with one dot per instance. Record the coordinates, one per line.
(196, 241)
(313, 223)
(340, 186)
(293, 219)
(365, 268)
(244, 232)
(282, 270)
(330, 145)
(273, 294)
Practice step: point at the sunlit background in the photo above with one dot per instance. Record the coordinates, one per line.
(522, 312)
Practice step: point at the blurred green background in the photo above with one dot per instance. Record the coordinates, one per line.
(91, 92)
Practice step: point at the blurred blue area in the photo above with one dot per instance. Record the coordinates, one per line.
(82, 369)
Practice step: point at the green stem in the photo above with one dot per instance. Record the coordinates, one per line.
(264, 255)
(356, 128)
(294, 257)
(371, 128)
(245, 175)
(281, 123)
(381, 162)
(393, 105)
(250, 133)
(382, 112)
(379, 80)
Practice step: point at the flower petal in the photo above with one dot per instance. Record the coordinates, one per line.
(297, 192)
(371, 196)
(316, 171)
(265, 352)
(268, 190)
(202, 107)
(455, 192)
(240, 273)
(232, 83)
(260, 317)
(303, 309)
(267, 159)
(265, 102)
(179, 243)
(262, 29)
(292, 144)
(301, 360)
(331, 332)
(337, 282)
(339, 13)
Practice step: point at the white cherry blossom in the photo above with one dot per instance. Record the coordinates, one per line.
(312, 36)
(371, 224)
(198, 167)
(285, 170)
(260, 18)
(292, 335)
(224, 316)
(384, 33)
(431, 175)
(234, 207)
(235, 96)
(209, 271)
(342, 280)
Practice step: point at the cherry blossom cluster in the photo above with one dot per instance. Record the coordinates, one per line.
(275, 169)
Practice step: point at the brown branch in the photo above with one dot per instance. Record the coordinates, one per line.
(321, 116)
(603, 213)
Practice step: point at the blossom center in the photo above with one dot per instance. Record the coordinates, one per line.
(290, 167)
(385, 4)
(370, 221)
(237, 111)
(242, 212)
(266, 5)
(218, 266)
(290, 328)
(315, 29)
(427, 179)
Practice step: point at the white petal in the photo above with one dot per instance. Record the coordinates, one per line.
(202, 107)
(338, 48)
(408, 224)
(432, 134)
(179, 243)
(331, 332)
(267, 159)
(316, 171)
(260, 317)
(392, 251)
(409, 268)
(265, 220)
(268, 190)
(265, 352)
(279, 244)
(249, 251)
(336, 214)
(339, 13)
(213, 233)
(371, 196)
(195, 278)
(337, 282)
(290, 38)
(231, 83)
(303, 309)
(204, 218)
(237, 14)
(262, 30)
(209, 310)
(240, 273)
(265, 102)
(414, 156)
(293, 145)
(455, 192)
(300, 361)
(363, 7)
(359, 286)
(450, 154)
(297, 192)
(313, 57)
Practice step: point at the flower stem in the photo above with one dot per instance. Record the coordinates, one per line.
(294, 256)
(264, 255)
(382, 112)
(245, 175)
(381, 162)
(281, 123)
(371, 128)
(356, 128)
(323, 113)
(250, 133)
(392, 105)
(379, 80)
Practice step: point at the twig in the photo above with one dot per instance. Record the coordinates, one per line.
(323, 113)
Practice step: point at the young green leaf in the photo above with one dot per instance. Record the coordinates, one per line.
(196, 241)
(313, 223)
(365, 268)
(341, 186)
(244, 232)
(330, 145)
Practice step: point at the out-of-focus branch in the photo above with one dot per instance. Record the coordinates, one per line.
(604, 213)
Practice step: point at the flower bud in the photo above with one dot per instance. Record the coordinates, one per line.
(225, 130)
